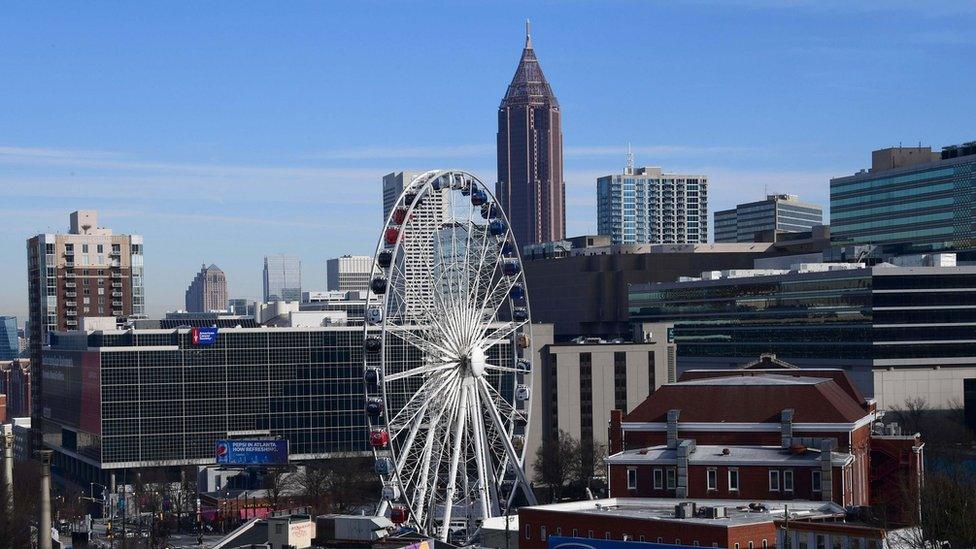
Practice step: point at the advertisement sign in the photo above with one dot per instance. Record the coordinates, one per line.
(252, 452)
(586, 543)
(204, 336)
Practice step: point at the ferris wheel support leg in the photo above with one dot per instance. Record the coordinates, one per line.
(512, 455)
(479, 453)
(381, 509)
(452, 474)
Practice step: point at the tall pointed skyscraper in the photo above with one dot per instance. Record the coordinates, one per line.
(530, 154)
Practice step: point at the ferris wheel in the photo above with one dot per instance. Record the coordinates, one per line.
(448, 358)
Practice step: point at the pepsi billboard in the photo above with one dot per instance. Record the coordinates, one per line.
(204, 336)
(251, 452)
(556, 542)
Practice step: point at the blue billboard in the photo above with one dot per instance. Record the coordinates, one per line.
(586, 543)
(251, 452)
(204, 336)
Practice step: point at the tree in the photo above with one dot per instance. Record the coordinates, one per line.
(558, 463)
(340, 485)
(279, 484)
(16, 532)
(912, 415)
(942, 511)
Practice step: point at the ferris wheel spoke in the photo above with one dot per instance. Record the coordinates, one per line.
(424, 482)
(497, 368)
(424, 344)
(509, 449)
(453, 469)
(499, 334)
(421, 370)
(420, 397)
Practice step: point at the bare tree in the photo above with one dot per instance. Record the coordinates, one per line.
(339, 485)
(912, 415)
(558, 463)
(279, 484)
(942, 511)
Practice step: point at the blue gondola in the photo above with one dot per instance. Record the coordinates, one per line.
(520, 314)
(510, 268)
(523, 366)
(517, 291)
(385, 259)
(508, 249)
(378, 285)
(372, 376)
(383, 466)
(374, 407)
(489, 211)
(497, 227)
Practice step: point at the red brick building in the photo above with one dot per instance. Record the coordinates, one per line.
(765, 434)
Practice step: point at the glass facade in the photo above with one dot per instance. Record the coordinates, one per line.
(151, 397)
(645, 206)
(282, 278)
(9, 347)
(871, 314)
(919, 208)
(780, 213)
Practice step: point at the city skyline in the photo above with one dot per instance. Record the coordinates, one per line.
(168, 167)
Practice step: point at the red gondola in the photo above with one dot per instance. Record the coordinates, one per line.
(391, 234)
(399, 215)
(399, 515)
(379, 438)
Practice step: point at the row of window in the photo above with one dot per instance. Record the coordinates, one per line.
(662, 478)
(544, 535)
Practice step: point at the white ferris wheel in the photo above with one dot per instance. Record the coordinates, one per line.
(448, 358)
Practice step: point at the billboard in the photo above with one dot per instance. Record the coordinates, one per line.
(251, 452)
(204, 336)
(586, 543)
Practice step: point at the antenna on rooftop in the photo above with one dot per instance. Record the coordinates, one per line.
(528, 33)
(630, 160)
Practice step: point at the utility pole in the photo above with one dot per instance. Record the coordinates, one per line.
(8, 480)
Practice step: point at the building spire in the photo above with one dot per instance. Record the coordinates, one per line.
(528, 34)
(630, 160)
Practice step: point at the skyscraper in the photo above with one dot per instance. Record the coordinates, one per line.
(647, 206)
(530, 155)
(207, 291)
(762, 221)
(282, 278)
(9, 345)
(393, 184)
(86, 272)
(349, 272)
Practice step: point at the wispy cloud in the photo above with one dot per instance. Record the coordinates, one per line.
(653, 150)
(425, 152)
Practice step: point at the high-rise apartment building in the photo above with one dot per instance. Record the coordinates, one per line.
(282, 278)
(530, 155)
(9, 342)
(349, 272)
(393, 184)
(207, 291)
(911, 200)
(761, 221)
(648, 206)
(87, 272)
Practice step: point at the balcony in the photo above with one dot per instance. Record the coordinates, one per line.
(116, 294)
(71, 294)
(71, 313)
(69, 284)
(117, 312)
(69, 275)
(71, 322)
(116, 275)
(116, 303)
(69, 265)
(116, 284)
(70, 303)
(115, 253)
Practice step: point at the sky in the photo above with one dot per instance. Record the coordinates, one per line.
(227, 131)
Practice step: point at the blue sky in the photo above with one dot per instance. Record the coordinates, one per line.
(227, 131)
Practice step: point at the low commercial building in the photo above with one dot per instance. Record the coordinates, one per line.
(766, 220)
(765, 433)
(900, 331)
(731, 523)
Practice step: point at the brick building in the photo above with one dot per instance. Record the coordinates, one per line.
(765, 432)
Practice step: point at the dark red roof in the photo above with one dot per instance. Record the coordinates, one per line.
(842, 378)
(750, 399)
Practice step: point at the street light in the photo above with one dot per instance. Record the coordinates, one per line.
(91, 494)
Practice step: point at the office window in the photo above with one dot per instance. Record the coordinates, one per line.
(736, 546)
(528, 531)
(542, 533)
(765, 544)
(660, 539)
(100, 248)
(815, 477)
(631, 478)
(559, 530)
(788, 480)
(751, 546)
(733, 480)
(642, 540)
(821, 541)
(589, 534)
(575, 533)
(658, 479)
(606, 535)
(84, 248)
(671, 479)
(774, 481)
(712, 479)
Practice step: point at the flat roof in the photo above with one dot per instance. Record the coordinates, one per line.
(765, 379)
(737, 455)
(737, 511)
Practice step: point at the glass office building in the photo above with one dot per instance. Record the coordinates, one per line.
(880, 323)
(9, 344)
(646, 206)
(762, 221)
(911, 200)
(282, 278)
